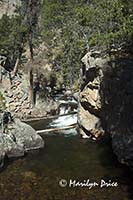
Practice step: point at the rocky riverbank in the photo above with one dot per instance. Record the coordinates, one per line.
(17, 139)
(106, 102)
(16, 99)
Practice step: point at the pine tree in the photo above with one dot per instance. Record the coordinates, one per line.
(30, 11)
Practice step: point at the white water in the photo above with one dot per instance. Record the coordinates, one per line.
(66, 106)
(67, 120)
(68, 101)
(63, 121)
(63, 111)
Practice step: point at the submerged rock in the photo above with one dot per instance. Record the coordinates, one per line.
(18, 139)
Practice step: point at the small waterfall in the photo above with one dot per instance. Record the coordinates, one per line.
(66, 120)
(67, 106)
(62, 110)
(64, 123)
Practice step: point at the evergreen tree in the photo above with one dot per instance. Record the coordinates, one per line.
(12, 38)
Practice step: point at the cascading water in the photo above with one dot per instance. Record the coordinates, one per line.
(66, 120)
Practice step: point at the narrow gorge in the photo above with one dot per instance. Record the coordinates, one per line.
(66, 100)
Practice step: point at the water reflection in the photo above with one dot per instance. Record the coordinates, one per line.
(37, 176)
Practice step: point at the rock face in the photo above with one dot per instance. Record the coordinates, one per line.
(90, 99)
(18, 139)
(8, 7)
(17, 99)
(16, 96)
(117, 105)
(106, 102)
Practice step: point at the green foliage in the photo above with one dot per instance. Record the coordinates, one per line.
(61, 30)
(15, 30)
(110, 22)
(69, 28)
(72, 26)
(12, 37)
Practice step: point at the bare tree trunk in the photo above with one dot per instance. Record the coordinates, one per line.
(31, 87)
(86, 40)
(1, 76)
(32, 23)
(15, 70)
(31, 78)
(36, 85)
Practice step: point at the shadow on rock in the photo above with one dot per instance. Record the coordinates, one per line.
(116, 91)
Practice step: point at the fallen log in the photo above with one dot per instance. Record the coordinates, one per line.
(56, 129)
(46, 117)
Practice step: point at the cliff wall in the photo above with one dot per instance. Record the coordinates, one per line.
(106, 102)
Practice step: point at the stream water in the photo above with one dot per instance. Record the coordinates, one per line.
(37, 175)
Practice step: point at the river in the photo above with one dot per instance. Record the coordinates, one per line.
(38, 175)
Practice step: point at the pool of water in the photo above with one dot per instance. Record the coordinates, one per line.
(37, 176)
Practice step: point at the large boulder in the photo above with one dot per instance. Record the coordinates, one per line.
(18, 138)
(90, 100)
(106, 102)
